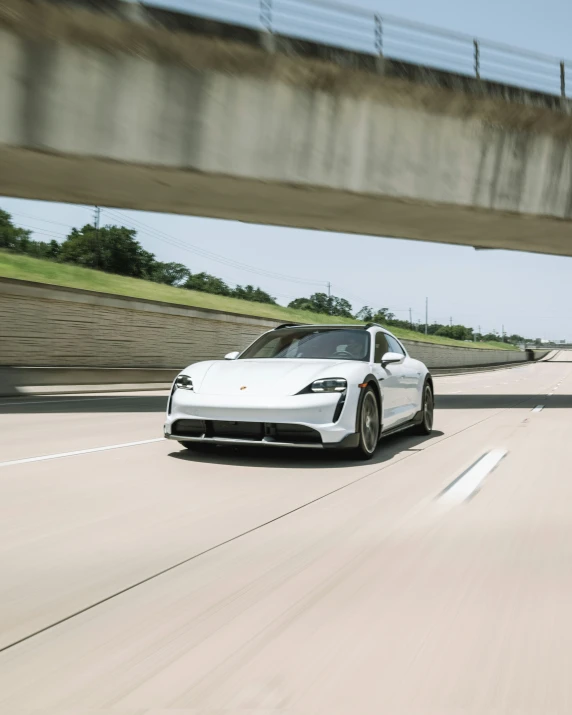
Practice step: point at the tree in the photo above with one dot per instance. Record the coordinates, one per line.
(207, 284)
(317, 303)
(456, 332)
(433, 328)
(384, 316)
(171, 274)
(340, 307)
(322, 303)
(53, 250)
(113, 249)
(302, 304)
(365, 314)
(12, 238)
(256, 295)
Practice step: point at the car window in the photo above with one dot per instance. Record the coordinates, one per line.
(394, 346)
(311, 343)
(381, 347)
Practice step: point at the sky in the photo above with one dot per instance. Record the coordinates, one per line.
(526, 293)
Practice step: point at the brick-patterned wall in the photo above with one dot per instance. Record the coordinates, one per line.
(49, 326)
(439, 356)
(42, 325)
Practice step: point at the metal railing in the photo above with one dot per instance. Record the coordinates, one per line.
(363, 30)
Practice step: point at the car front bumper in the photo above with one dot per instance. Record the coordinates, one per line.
(275, 416)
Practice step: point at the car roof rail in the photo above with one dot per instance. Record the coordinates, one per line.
(372, 325)
(287, 325)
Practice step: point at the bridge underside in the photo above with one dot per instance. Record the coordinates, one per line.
(155, 116)
(52, 177)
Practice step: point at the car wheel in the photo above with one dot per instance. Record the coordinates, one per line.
(427, 409)
(369, 425)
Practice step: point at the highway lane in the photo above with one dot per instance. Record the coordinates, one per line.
(306, 583)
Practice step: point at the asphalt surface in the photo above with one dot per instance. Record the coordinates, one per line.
(437, 578)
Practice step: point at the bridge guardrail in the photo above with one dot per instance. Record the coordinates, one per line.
(359, 29)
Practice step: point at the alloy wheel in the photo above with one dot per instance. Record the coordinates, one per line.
(369, 422)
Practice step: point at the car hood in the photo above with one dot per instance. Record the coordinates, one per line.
(263, 377)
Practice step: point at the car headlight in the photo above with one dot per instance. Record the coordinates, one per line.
(183, 382)
(329, 384)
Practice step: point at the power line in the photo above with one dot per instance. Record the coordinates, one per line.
(44, 220)
(178, 244)
(52, 234)
(191, 248)
(44, 233)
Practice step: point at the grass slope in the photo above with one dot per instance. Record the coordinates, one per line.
(23, 267)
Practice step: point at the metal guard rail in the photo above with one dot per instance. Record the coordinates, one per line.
(394, 38)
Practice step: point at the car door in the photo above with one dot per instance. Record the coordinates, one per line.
(409, 392)
(389, 380)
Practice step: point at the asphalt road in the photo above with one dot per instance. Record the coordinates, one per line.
(437, 578)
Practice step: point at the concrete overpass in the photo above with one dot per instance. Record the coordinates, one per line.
(165, 112)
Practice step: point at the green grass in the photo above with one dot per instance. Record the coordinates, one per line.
(23, 267)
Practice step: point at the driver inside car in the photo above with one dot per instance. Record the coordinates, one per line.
(354, 348)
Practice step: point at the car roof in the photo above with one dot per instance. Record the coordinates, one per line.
(326, 326)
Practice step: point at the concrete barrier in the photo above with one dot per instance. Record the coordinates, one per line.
(53, 336)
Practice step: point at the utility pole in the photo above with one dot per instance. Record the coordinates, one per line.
(329, 289)
(451, 321)
(96, 219)
(426, 314)
(410, 320)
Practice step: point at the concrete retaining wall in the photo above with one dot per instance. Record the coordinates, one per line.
(439, 356)
(43, 325)
(46, 326)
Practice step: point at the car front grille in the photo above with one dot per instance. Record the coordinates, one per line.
(189, 428)
(248, 431)
(236, 430)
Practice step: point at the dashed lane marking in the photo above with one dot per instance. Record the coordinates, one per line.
(471, 480)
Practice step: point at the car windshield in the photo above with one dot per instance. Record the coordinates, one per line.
(312, 344)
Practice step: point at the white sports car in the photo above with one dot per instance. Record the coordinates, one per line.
(321, 386)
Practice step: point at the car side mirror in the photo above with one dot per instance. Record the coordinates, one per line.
(232, 356)
(392, 359)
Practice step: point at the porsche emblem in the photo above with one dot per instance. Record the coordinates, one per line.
(243, 387)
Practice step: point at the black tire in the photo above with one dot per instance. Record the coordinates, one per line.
(369, 425)
(425, 427)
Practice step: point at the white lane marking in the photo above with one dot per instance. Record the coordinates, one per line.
(469, 482)
(79, 451)
(538, 408)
